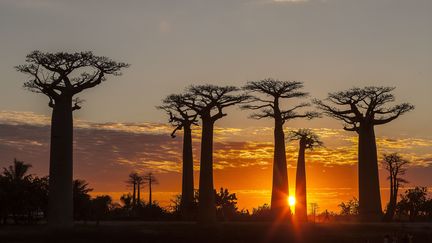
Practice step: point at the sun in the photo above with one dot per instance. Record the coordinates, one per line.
(291, 200)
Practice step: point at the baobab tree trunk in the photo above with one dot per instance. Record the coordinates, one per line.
(139, 194)
(279, 198)
(207, 206)
(187, 180)
(134, 195)
(60, 214)
(301, 201)
(392, 202)
(150, 193)
(369, 189)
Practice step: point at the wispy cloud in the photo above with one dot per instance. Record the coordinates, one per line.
(104, 153)
(148, 145)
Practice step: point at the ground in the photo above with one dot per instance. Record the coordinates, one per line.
(222, 232)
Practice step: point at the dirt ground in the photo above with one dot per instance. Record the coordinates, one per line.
(223, 232)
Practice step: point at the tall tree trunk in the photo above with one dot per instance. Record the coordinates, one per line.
(207, 206)
(150, 192)
(60, 213)
(279, 204)
(301, 201)
(369, 188)
(392, 202)
(138, 193)
(134, 195)
(188, 177)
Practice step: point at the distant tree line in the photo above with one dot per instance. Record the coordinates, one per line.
(24, 200)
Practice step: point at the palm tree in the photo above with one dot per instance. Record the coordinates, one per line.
(81, 199)
(17, 184)
(307, 140)
(17, 172)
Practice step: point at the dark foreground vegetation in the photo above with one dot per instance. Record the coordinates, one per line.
(222, 232)
(24, 200)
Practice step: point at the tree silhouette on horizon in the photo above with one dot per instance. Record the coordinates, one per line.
(270, 106)
(396, 167)
(182, 118)
(208, 101)
(361, 109)
(150, 179)
(135, 181)
(60, 76)
(307, 140)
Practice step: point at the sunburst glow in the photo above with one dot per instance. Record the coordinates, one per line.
(291, 200)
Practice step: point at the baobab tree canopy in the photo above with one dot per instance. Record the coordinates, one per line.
(306, 137)
(363, 106)
(361, 109)
(277, 90)
(307, 140)
(270, 106)
(208, 101)
(183, 117)
(396, 167)
(180, 115)
(57, 74)
(60, 76)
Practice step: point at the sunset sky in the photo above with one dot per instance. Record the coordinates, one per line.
(330, 45)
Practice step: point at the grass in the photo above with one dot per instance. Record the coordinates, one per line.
(135, 232)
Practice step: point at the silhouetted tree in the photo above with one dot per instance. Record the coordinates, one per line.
(314, 207)
(3, 200)
(135, 181)
(307, 140)
(175, 205)
(226, 203)
(150, 180)
(361, 109)
(101, 207)
(396, 166)
(208, 101)
(182, 118)
(349, 208)
(60, 76)
(262, 212)
(126, 200)
(22, 194)
(17, 182)
(81, 200)
(413, 202)
(270, 106)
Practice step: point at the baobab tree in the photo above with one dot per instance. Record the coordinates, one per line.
(150, 180)
(208, 101)
(61, 76)
(135, 181)
(182, 118)
(361, 109)
(270, 106)
(396, 166)
(307, 140)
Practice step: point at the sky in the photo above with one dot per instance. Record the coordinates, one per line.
(330, 45)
